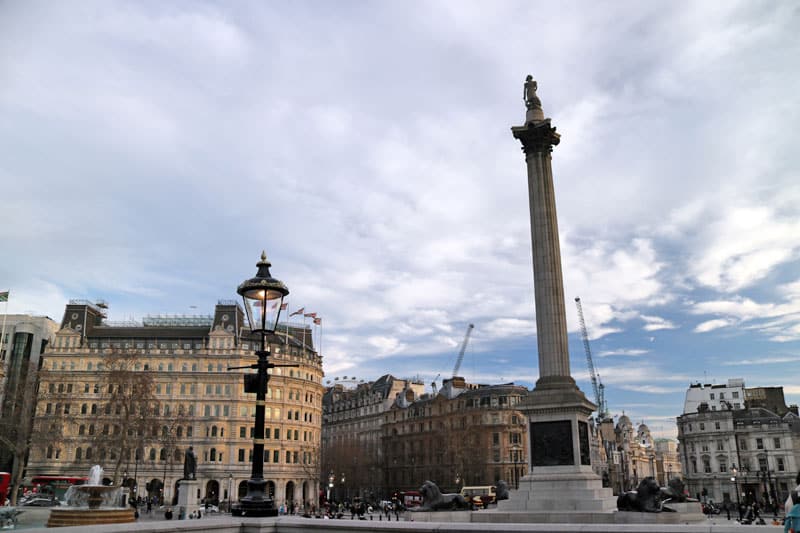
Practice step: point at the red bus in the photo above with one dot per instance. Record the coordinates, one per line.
(5, 482)
(54, 485)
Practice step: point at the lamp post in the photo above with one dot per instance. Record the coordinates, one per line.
(331, 480)
(230, 491)
(515, 457)
(262, 297)
(736, 487)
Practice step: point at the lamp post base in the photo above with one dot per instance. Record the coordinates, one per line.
(256, 503)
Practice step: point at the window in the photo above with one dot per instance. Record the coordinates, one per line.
(706, 465)
(720, 445)
(735, 394)
(759, 444)
(275, 455)
(716, 425)
(702, 426)
(496, 439)
(242, 432)
(712, 396)
(781, 466)
(742, 444)
(723, 466)
(241, 455)
(721, 395)
(776, 442)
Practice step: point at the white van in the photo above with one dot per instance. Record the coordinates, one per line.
(474, 494)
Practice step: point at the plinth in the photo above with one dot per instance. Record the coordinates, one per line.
(256, 503)
(187, 497)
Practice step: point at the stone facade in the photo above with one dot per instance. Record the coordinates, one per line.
(351, 435)
(25, 337)
(197, 402)
(466, 434)
(762, 446)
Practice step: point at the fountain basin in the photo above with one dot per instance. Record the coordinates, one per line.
(62, 517)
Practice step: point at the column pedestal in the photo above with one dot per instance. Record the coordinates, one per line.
(561, 478)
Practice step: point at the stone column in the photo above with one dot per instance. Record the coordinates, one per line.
(560, 477)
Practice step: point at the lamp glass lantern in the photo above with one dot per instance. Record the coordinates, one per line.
(262, 297)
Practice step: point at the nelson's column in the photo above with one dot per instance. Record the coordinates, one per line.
(561, 477)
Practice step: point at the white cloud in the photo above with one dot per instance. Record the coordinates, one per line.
(629, 352)
(655, 323)
(711, 325)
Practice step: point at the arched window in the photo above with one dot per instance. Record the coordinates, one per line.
(163, 454)
(94, 408)
(88, 453)
(297, 415)
(214, 431)
(78, 454)
(81, 429)
(84, 409)
(49, 452)
(221, 432)
(213, 455)
(152, 454)
(91, 429)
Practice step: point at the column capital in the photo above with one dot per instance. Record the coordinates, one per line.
(536, 136)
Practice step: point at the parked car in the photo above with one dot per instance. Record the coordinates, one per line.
(41, 502)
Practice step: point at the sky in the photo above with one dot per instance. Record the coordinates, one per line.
(149, 151)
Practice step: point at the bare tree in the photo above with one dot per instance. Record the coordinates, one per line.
(124, 418)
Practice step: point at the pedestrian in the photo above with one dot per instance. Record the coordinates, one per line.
(792, 498)
(149, 505)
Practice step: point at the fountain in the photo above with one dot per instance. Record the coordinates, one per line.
(92, 503)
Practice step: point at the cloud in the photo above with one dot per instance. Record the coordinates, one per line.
(711, 325)
(628, 352)
(655, 323)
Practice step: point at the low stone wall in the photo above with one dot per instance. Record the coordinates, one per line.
(227, 524)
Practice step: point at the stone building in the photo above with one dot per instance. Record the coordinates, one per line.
(24, 339)
(668, 461)
(352, 456)
(761, 445)
(182, 362)
(466, 434)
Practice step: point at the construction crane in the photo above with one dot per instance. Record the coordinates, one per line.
(597, 385)
(462, 350)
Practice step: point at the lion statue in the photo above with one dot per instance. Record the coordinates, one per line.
(434, 500)
(675, 491)
(501, 491)
(645, 499)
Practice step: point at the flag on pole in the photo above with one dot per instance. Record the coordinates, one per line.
(4, 296)
(298, 312)
(311, 315)
(318, 321)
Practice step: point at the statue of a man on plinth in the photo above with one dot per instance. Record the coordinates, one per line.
(190, 464)
(529, 93)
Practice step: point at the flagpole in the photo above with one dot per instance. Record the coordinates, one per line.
(3, 329)
(304, 333)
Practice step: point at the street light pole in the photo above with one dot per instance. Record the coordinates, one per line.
(262, 297)
(736, 487)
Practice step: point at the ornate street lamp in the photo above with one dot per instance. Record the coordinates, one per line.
(262, 297)
(736, 486)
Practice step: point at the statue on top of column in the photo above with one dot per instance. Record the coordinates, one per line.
(529, 94)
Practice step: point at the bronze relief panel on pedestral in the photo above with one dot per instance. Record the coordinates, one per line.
(551, 443)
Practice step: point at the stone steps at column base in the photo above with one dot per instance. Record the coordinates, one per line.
(562, 493)
(581, 517)
(552, 503)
